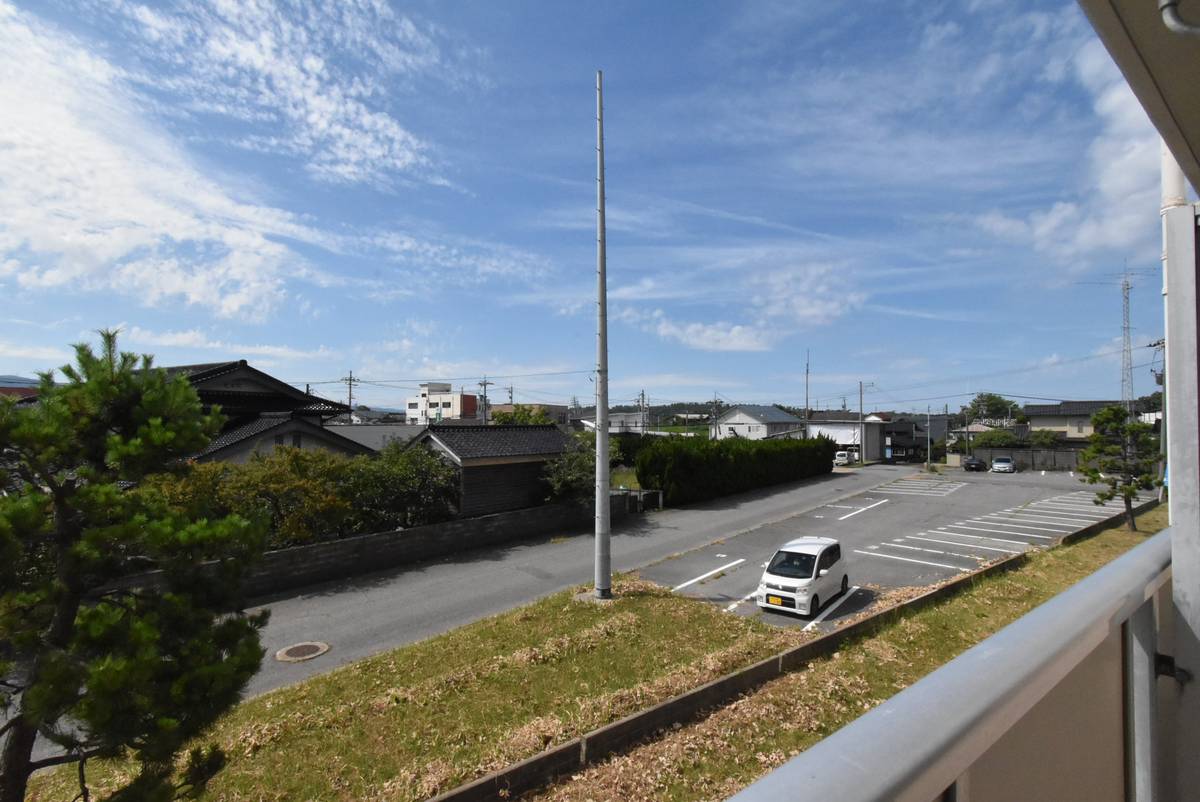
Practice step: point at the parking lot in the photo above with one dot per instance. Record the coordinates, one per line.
(913, 531)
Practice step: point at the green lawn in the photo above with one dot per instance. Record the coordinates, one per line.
(624, 477)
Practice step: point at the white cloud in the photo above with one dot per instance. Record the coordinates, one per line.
(33, 352)
(718, 336)
(310, 80)
(198, 340)
(1114, 209)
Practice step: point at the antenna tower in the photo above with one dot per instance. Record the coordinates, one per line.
(1126, 348)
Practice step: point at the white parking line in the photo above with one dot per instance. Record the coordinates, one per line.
(978, 537)
(935, 551)
(840, 507)
(1057, 510)
(1045, 517)
(996, 531)
(863, 509)
(891, 491)
(1015, 526)
(745, 598)
(952, 543)
(909, 560)
(825, 613)
(1019, 518)
(706, 576)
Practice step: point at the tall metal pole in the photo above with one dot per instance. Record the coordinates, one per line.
(862, 429)
(603, 555)
(806, 392)
(928, 440)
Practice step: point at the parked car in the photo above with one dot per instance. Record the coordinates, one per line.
(1004, 465)
(802, 573)
(841, 458)
(974, 464)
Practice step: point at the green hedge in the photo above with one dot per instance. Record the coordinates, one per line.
(690, 469)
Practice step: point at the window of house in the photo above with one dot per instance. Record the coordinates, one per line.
(278, 439)
(1079, 427)
(412, 404)
(445, 405)
(296, 439)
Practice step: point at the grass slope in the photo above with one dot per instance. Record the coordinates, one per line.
(421, 719)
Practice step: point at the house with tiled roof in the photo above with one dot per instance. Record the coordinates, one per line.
(1071, 419)
(500, 467)
(755, 422)
(262, 413)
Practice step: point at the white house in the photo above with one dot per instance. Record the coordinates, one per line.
(438, 402)
(754, 422)
(842, 427)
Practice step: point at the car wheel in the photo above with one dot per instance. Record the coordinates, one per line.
(845, 584)
(814, 606)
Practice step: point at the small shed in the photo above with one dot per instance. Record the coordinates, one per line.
(500, 467)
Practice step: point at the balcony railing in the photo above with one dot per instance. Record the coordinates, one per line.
(1060, 705)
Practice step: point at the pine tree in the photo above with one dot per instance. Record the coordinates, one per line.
(1122, 454)
(98, 664)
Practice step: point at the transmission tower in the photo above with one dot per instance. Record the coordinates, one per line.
(1126, 349)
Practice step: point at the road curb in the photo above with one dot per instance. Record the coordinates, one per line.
(558, 761)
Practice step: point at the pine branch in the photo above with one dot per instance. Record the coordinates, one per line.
(68, 757)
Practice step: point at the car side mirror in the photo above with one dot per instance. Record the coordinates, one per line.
(823, 572)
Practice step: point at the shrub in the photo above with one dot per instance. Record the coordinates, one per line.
(997, 438)
(691, 469)
(305, 496)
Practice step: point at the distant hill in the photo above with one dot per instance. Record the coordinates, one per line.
(17, 381)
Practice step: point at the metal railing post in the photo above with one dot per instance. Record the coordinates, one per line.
(1141, 644)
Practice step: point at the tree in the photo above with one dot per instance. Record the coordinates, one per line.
(1122, 454)
(96, 665)
(1045, 438)
(521, 414)
(1150, 403)
(996, 438)
(572, 474)
(989, 406)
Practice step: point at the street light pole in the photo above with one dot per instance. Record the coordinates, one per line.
(603, 579)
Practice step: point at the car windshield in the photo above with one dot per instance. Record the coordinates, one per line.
(1003, 460)
(792, 564)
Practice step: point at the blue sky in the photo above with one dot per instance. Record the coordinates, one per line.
(936, 198)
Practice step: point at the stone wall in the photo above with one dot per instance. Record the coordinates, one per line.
(299, 566)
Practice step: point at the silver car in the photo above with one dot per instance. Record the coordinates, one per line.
(1004, 465)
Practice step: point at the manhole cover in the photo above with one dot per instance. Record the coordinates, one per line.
(301, 651)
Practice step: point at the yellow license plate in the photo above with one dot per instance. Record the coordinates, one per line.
(774, 600)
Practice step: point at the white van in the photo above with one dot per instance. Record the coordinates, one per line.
(802, 573)
(841, 458)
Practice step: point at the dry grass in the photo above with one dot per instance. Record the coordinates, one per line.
(419, 720)
(713, 758)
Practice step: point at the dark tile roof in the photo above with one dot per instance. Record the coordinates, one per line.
(762, 412)
(203, 371)
(480, 442)
(1069, 408)
(831, 415)
(267, 421)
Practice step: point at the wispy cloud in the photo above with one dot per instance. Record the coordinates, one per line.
(194, 339)
(307, 80)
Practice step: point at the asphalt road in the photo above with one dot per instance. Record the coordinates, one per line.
(364, 615)
(913, 531)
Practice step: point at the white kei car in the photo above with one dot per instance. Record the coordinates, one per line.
(802, 573)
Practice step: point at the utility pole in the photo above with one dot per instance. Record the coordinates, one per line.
(928, 440)
(1126, 348)
(806, 392)
(484, 384)
(603, 573)
(862, 428)
(510, 393)
(350, 382)
(713, 417)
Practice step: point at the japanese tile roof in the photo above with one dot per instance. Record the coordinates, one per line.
(1069, 408)
(265, 423)
(481, 442)
(763, 413)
